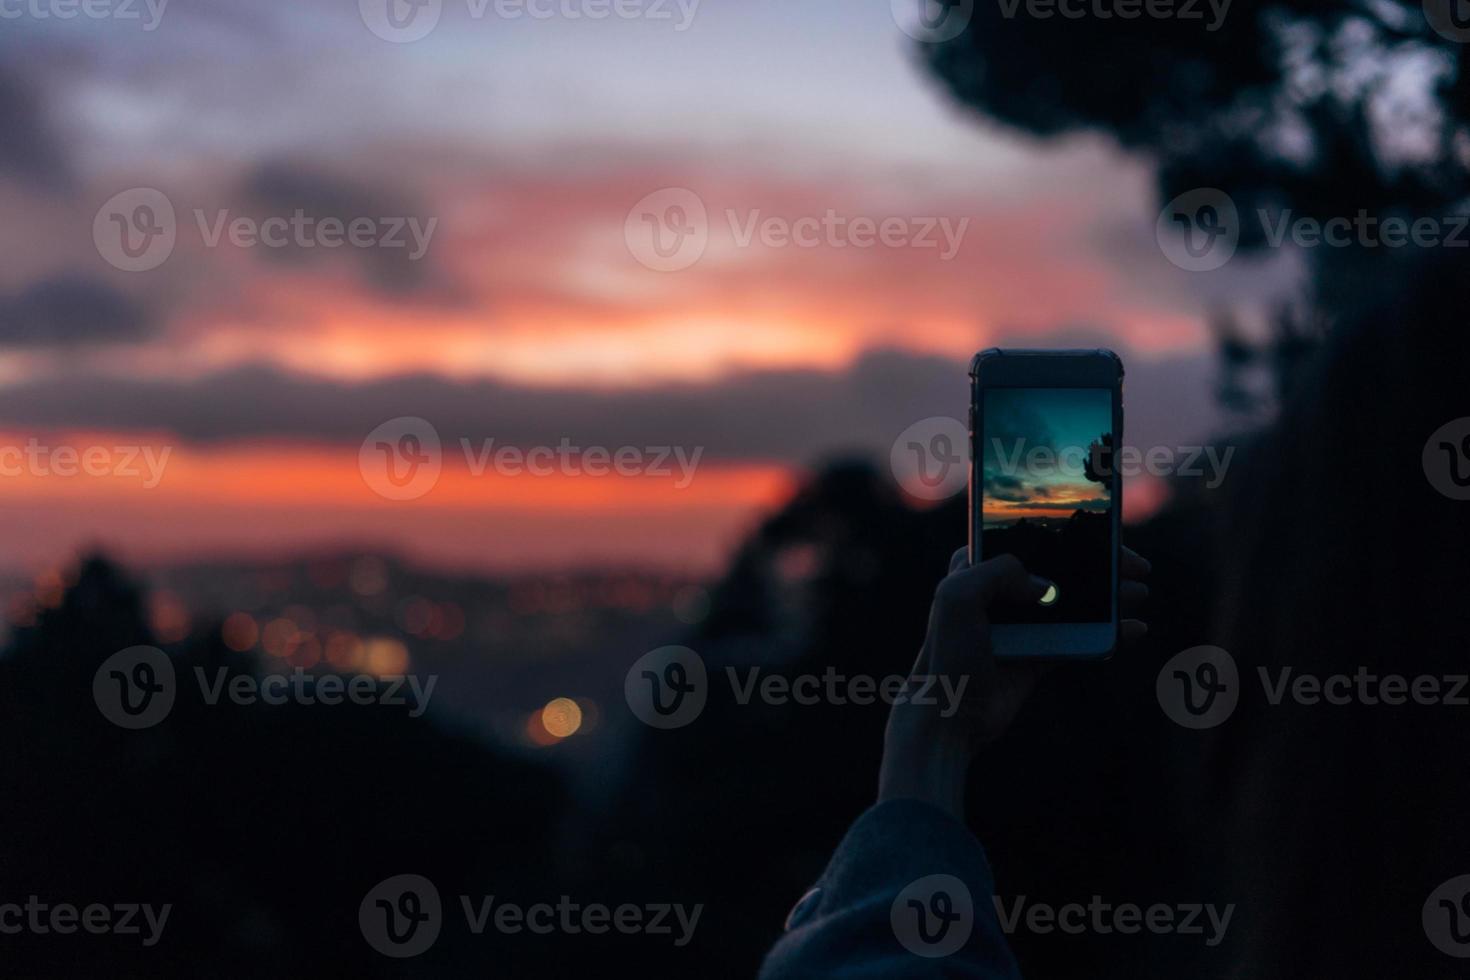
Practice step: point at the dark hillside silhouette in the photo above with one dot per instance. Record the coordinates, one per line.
(263, 826)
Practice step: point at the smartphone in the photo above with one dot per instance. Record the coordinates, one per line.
(1044, 486)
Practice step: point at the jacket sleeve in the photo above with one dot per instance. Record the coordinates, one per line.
(908, 894)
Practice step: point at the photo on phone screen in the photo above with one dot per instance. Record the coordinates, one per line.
(1046, 462)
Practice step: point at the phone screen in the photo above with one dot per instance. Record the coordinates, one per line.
(1046, 464)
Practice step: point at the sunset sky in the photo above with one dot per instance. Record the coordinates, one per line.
(1033, 451)
(520, 146)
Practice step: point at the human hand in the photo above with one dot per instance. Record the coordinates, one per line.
(928, 748)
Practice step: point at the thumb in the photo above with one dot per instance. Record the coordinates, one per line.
(972, 590)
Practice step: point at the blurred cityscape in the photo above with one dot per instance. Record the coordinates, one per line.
(529, 660)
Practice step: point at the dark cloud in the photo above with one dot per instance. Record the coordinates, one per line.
(70, 311)
(1094, 503)
(1002, 486)
(790, 416)
(282, 188)
(29, 149)
(1014, 427)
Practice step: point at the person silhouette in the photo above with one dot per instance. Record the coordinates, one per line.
(907, 893)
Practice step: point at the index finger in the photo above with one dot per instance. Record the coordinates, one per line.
(1130, 563)
(1000, 577)
(959, 559)
(1133, 565)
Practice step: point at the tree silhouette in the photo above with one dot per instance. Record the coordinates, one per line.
(1098, 467)
(1328, 109)
(1277, 105)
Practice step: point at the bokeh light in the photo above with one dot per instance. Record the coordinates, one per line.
(561, 717)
